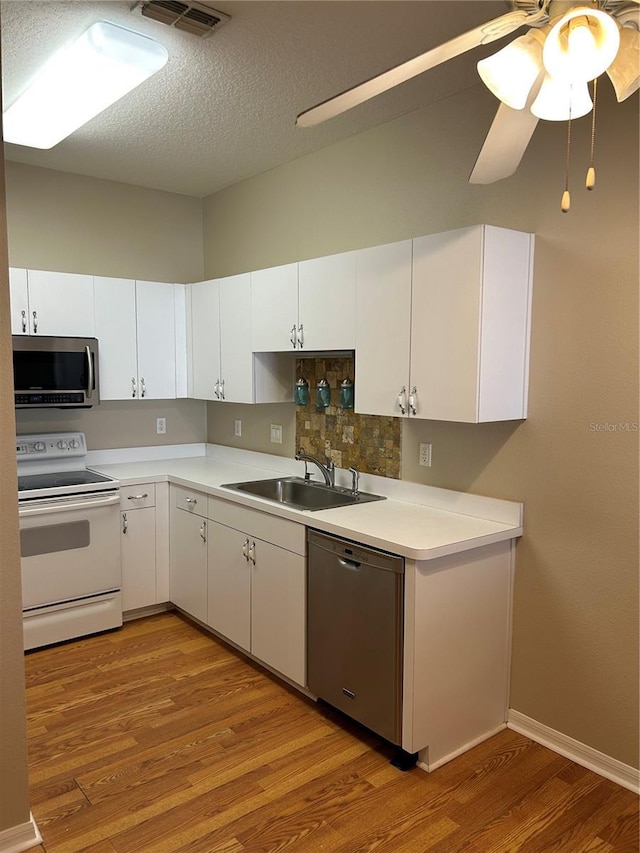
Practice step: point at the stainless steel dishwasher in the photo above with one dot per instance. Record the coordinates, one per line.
(355, 630)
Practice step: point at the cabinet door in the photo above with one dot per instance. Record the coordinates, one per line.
(188, 562)
(155, 309)
(138, 550)
(327, 302)
(274, 308)
(20, 318)
(236, 356)
(115, 302)
(229, 584)
(62, 303)
(470, 324)
(445, 327)
(205, 340)
(278, 610)
(383, 326)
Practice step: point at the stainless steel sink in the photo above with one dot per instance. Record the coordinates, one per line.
(302, 494)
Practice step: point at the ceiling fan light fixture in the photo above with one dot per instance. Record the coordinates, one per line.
(581, 45)
(81, 81)
(561, 101)
(511, 72)
(624, 71)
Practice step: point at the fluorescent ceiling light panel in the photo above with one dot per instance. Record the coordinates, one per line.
(79, 82)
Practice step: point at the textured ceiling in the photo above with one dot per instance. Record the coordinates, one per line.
(223, 108)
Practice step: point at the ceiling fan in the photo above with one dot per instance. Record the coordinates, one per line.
(542, 74)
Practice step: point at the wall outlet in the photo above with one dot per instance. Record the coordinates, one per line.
(161, 426)
(237, 428)
(425, 454)
(276, 433)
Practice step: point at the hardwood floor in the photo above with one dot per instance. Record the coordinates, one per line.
(158, 739)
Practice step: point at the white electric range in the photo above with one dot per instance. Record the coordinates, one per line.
(69, 540)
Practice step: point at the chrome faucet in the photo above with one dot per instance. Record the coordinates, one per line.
(328, 471)
(355, 478)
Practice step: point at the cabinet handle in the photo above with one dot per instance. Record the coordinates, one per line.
(133, 386)
(143, 387)
(293, 337)
(222, 390)
(203, 531)
(24, 321)
(301, 336)
(252, 553)
(245, 550)
(137, 497)
(193, 501)
(35, 322)
(413, 401)
(125, 523)
(402, 400)
(216, 389)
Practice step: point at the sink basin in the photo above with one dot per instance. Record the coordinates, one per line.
(302, 494)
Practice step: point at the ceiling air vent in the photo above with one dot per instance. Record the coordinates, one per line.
(195, 18)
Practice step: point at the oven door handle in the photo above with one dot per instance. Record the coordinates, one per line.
(68, 505)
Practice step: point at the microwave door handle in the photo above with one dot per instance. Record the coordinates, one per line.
(89, 373)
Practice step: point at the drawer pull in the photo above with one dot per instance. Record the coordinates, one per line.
(137, 497)
(191, 501)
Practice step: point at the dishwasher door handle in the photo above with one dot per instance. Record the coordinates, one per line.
(349, 564)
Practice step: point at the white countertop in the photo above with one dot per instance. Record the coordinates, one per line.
(414, 521)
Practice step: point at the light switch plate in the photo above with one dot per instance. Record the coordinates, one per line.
(237, 427)
(276, 433)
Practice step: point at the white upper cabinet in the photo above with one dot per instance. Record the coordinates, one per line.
(310, 305)
(19, 296)
(155, 314)
(236, 357)
(223, 365)
(117, 337)
(470, 324)
(221, 345)
(136, 331)
(383, 320)
(54, 303)
(442, 326)
(274, 309)
(205, 340)
(327, 301)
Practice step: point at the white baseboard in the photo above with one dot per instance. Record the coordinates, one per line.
(586, 756)
(18, 838)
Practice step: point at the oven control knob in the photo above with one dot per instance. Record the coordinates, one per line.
(74, 443)
(62, 444)
(39, 446)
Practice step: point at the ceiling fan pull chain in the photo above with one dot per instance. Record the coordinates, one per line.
(591, 172)
(565, 204)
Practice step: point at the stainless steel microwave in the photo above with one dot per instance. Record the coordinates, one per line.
(53, 372)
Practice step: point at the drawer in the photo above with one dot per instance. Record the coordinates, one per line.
(191, 500)
(260, 525)
(138, 496)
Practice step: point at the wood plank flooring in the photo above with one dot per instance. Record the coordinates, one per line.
(158, 739)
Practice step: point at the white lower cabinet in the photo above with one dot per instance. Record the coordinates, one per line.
(188, 552)
(243, 573)
(138, 545)
(257, 585)
(229, 584)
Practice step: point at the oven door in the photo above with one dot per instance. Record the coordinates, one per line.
(70, 548)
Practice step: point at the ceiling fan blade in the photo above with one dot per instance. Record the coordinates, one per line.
(483, 34)
(504, 146)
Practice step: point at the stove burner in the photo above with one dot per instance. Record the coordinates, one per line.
(60, 480)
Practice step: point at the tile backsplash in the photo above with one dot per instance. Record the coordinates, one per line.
(370, 443)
